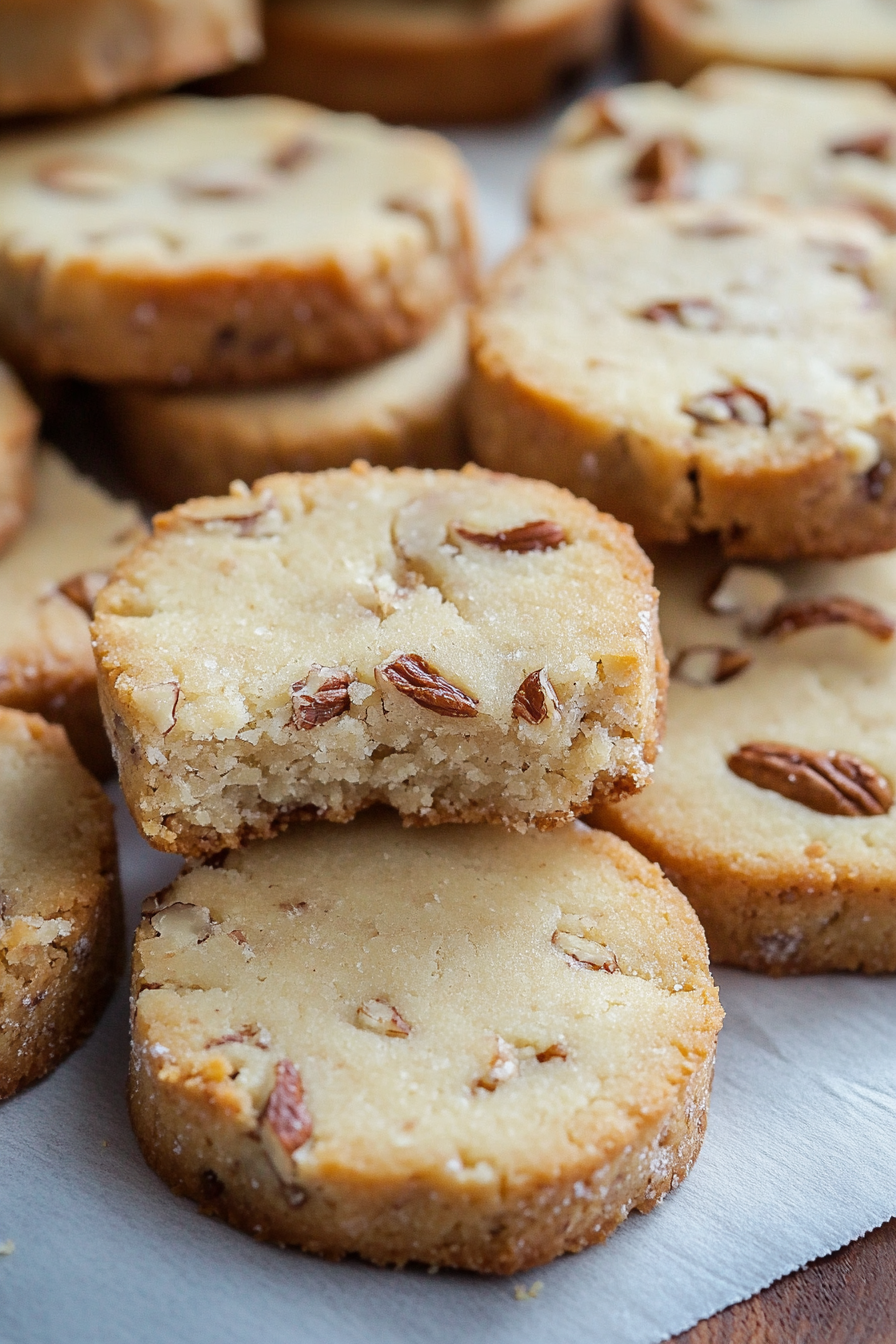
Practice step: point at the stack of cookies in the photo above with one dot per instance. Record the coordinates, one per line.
(717, 369)
(477, 1046)
(438, 61)
(260, 284)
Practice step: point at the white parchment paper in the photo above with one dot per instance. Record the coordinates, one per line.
(799, 1160)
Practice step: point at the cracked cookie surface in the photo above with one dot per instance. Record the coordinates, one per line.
(195, 241)
(701, 368)
(60, 908)
(49, 577)
(328, 641)
(732, 131)
(60, 57)
(772, 805)
(402, 411)
(460, 1046)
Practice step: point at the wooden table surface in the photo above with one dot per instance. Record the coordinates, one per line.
(847, 1298)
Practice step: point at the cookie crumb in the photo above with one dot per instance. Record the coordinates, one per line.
(7, 1247)
(523, 1294)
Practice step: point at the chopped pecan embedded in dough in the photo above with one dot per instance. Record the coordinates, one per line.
(414, 677)
(663, 171)
(556, 1051)
(806, 613)
(876, 144)
(747, 591)
(322, 696)
(585, 952)
(741, 405)
(378, 1016)
(709, 664)
(224, 179)
(504, 1066)
(833, 782)
(693, 314)
(286, 1124)
(84, 589)
(536, 698)
(78, 174)
(540, 535)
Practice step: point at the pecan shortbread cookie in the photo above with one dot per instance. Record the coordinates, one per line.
(723, 368)
(198, 240)
(459, 645)
(60, 908)
(834, 143)
(49, 578)
(19, 420)
(442, 60)
(403, 411)
(57, 56)
(465, 1047)
(772, 807)
(819, 37)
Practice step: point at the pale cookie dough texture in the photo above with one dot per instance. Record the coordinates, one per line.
(60, 908)
(58, 55)
(724, 368)
(18, 427)
(404, 411)
(732, 131)
(49, 578)
(198, 240)
(461, 646)
(427, 60)
(800, 657)
(462, 1047)
(819, 37)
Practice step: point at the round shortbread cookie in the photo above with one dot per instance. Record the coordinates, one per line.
(59, 56)
(462, 1047)
(733, 131)
(19, 420)
(819, 37)
(459, 645)
(60, 908)
(404, 411)
(772, 802)
(49, 578)
(445, 60)
(197, 240)
(701, 368)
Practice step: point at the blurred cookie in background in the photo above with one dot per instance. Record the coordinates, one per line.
(18, 427)
(403, 411)
(49, 578)
(59, 57)
(820, 37)
(447, 61)
(732, 131)
(198, 241)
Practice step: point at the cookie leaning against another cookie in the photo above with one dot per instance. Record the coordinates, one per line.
(772, 803)
(19, 420)
(404, 411)
(446, 61)
(462, 1047)
(733, 131)
(819, 37)
(198, 240)
(459, 645)
(701, 368)
(60, 908)
(49, 578)
(65, 56)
